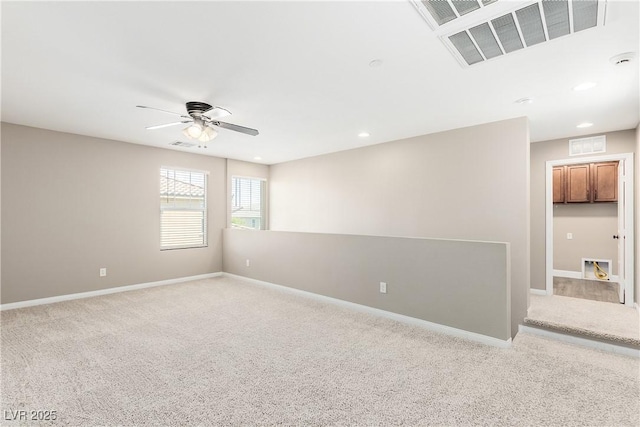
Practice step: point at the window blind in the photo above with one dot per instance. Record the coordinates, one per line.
(183, 209)
(247, 203)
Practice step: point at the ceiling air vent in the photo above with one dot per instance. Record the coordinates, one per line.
(475, 33)
(183, 144)
(440, 12)
(591, 145)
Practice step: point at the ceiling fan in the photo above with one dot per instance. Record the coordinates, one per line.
(201, 126)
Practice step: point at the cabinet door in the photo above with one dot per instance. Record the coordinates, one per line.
(605, 181)
(578, 180)
(558, 184)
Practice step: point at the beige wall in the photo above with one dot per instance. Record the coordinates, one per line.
(592, 226)
(246, 169)
(423, 276)
(470, 183)
(541, 152)
(73, 204)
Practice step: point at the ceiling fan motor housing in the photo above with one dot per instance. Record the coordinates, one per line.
(196, 109)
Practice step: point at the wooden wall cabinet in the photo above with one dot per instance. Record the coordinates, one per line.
(605, 181)
(578, 184)
(586, 183)
(558, 184)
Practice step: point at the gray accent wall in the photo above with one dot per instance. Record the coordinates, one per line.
(470, 183)
(72, 204)
(423, 276)
(636, 221)
(0, 215)
(617, 143)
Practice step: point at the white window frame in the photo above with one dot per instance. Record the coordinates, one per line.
(263, 200)
(203, 209)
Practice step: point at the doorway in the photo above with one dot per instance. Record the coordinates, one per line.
(625, 236)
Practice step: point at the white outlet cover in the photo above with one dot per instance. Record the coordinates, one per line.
(383, 288)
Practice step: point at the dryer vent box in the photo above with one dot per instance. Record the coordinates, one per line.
(589, 270)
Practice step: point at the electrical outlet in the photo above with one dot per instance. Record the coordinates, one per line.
(248, 263)
(103, 272)
(569, 236)
(383, 287)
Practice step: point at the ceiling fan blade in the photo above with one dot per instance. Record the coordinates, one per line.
(167, 125)
(164, 111)
(219, 112)
(237, 128)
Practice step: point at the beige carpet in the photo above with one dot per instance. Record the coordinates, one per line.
(224, 352)
(615, 322)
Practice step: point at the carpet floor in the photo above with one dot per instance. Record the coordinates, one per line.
(616, 322)
(596, 290)
(225, 352)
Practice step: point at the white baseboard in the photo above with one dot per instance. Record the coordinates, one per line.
(446, 330)
(612, 348)
(567, 274)
(578, 275)
(69, 297)
(538, 291)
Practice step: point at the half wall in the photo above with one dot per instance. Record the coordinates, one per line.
(424, 277)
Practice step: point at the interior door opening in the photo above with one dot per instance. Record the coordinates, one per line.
(622, 238)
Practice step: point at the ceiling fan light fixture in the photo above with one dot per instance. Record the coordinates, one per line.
(207, 134)
(193, 131)
(201, 126)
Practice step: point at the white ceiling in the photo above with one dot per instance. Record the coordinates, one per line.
(297, 71)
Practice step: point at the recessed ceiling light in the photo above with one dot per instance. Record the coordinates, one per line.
(364, 135)
(375, 63)
(584, 125)
(257, 158)
(524, 101)
(584, 86)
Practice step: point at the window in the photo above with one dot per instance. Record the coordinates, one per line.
(247, 203)
(183, 209)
